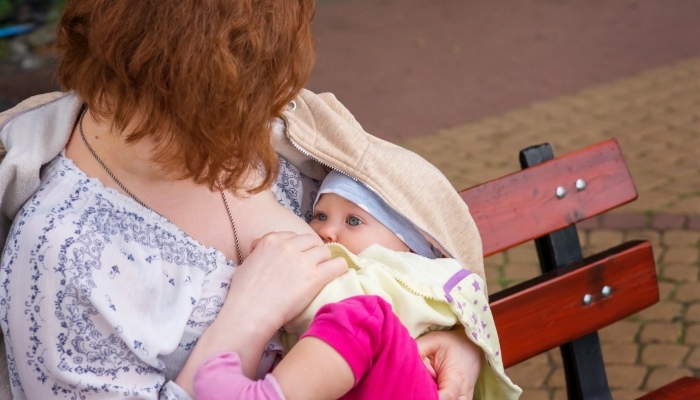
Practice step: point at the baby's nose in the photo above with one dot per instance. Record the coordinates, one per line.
(327, 233)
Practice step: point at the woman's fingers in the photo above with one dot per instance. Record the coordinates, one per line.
(451, 390)
(297, 242)
(271, 237)
(331, 269)
(282, 274)
(308, 241)
(456, 360)
(427, 362)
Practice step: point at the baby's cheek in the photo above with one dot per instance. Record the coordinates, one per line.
(315, 225)
(355, 243)
(396, 244)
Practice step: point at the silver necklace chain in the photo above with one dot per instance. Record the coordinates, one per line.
(121, 185)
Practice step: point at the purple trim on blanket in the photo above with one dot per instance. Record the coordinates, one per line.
(452, 282)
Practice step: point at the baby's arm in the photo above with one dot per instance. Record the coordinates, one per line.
(369, 342)
(314, 370)
(357, 339)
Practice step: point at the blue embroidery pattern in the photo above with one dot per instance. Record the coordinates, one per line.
(68, 254)
(311, 198)
(287, 189)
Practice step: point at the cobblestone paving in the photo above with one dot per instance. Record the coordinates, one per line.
(656, 118)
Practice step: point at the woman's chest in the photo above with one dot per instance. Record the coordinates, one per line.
(286, 207)
(212, 221)
(264, 214)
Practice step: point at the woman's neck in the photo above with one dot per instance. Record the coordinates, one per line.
(131, 160)
(131, 163)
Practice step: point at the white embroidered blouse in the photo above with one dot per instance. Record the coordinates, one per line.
(102, 298)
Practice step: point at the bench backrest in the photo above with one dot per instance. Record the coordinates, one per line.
(524, 205)
(543, 202)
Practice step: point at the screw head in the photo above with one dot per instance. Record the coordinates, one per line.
(561, 192)
(580, 184)
(607, 291)
(587, 299)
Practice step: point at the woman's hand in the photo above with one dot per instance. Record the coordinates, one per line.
(455, 360)
(280, 277)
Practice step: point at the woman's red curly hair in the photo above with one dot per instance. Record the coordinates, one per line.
(207, 76)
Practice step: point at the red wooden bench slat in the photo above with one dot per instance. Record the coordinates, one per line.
(523, 206)
(682, 389)
(548, 311)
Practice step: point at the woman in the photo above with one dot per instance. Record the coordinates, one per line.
(121, 264)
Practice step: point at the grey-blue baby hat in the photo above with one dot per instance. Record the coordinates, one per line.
(365, 198)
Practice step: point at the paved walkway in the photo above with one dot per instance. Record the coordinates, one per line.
(655, 116)
(411, 67)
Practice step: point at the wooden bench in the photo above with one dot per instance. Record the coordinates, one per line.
(575, 296)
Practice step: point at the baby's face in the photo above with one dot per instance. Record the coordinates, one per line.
(339, 220)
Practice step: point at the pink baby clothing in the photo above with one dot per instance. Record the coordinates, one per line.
(365, 331)
(221, 378)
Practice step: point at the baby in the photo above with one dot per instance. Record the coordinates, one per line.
(356, 339)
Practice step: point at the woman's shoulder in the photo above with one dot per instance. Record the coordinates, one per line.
(62, 199)
(55, 215)
(29, 104)
(57, 198)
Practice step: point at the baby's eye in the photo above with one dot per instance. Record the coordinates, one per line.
(321, 217)
(354, 221)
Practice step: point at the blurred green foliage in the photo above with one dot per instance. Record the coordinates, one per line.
(6, 9)
(56, 11)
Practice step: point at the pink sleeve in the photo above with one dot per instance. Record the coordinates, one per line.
(353, 328)
(381, 353)
(221, 377)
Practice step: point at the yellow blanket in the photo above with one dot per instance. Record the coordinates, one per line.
(426, 295)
